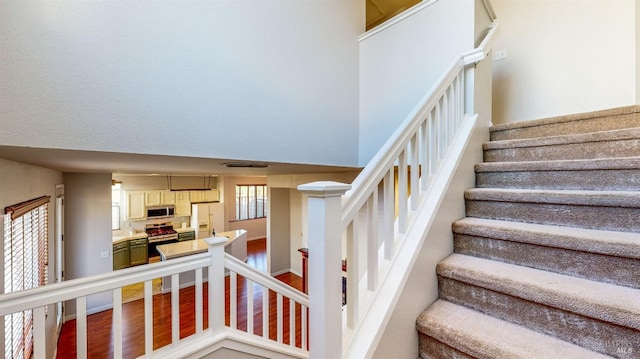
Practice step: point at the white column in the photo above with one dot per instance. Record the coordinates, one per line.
(325, 267)
(216, 284)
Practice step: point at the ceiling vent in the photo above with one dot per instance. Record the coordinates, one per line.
(246, 165)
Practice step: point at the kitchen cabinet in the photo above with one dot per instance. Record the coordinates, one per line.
(205, 196)
(186, 236)
(121, 255)
(212, 195)
(135, 205)
(159, 198)
(138, 253)
(183, 203)
(167, 197)
(152, 198)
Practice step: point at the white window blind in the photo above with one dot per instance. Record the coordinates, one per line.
(251, 202)
(25, 267)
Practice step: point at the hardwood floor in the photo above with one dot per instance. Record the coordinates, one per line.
(99, 333)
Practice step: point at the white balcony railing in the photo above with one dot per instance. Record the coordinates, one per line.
(223, 295)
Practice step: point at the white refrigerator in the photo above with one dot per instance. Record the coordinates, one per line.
(207, 217)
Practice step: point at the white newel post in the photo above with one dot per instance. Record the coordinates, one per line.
(216, 284)
(325, 267)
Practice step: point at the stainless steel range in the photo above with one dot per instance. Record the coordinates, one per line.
(159, 233)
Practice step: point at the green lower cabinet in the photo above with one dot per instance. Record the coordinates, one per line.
(121, 255)
(138, 252)
(187, 236)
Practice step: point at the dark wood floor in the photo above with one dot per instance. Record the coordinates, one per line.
(99, 333)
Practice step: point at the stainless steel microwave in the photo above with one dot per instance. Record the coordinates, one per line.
(161, 211)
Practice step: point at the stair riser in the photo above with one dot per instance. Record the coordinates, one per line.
(593, 334)
(604, 268)
(598, 180)
(571, 151)
(573, 127)
(593, 217)
(430, 348)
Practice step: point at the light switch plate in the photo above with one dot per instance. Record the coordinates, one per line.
(104, 254)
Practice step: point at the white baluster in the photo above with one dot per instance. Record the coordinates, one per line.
(199, 310)
(304, 311)
(175, 308)
(414, 168)
(81, 328)
(148, 317)
(402, 192)
(117, 323)
(389, 216)
(292, 323)
(353, 265)
(233, 300)
(265, 312)
(424, 154)
(39, 334)
(279, 316)
(249, 306)
(372, 241)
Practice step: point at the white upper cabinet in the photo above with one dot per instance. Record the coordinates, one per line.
(205, 196)
(183, 203)
(167, 197)
(159, 198)
(135, 205)
(152, 198)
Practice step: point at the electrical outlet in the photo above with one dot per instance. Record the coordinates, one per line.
(104, 254)
(500, 54)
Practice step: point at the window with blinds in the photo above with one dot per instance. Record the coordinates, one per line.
(251, 202)
(25, 267)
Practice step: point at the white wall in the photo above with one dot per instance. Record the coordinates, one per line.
(18, 183)
(221, 79)
(563, 57)
(88, 231)
(399, 65)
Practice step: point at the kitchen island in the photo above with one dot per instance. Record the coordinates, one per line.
(236, 246)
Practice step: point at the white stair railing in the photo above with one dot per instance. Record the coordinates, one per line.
(376, 216)
(208, 272)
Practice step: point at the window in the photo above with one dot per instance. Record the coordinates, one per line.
(115, 205)
(25, 267)
(251, 201)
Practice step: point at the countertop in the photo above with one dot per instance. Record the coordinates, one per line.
(186, 229)
(127, 237)
(185, 248)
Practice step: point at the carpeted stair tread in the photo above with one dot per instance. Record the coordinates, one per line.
(619, 163)
(602, 136)
(609, 119)
(483, 336)
(564, 197)
(601, 301)
(620, 244)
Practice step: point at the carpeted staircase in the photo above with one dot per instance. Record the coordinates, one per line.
(547, 262)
